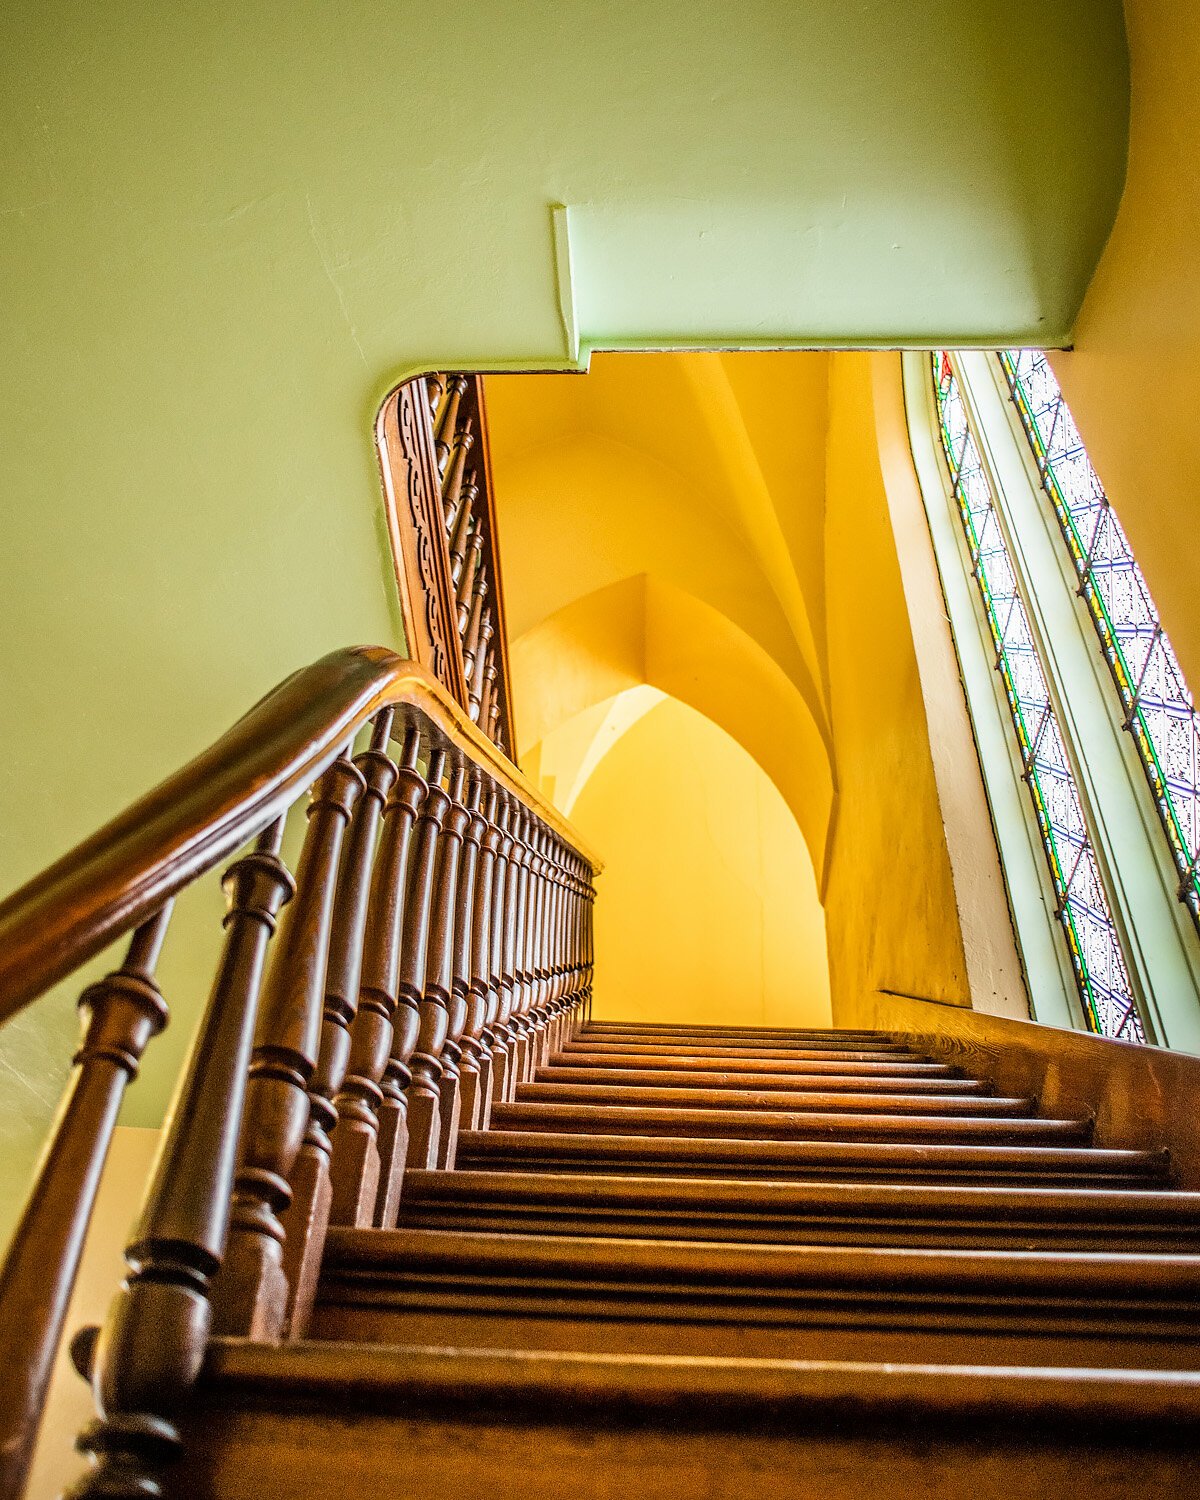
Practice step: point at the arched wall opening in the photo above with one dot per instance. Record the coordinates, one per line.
(709, 911)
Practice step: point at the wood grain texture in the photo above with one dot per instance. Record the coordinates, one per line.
(626, 1428)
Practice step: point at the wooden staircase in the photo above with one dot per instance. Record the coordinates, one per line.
(722, 1262)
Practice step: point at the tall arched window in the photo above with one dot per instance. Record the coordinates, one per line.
(1087, 735)
(1156, 704)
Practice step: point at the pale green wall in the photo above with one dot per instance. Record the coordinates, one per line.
(225, 229)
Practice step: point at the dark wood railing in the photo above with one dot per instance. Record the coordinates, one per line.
(431, 946)
(434, 453)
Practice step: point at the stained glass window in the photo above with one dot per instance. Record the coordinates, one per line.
(1157, 706)
(1082, 902)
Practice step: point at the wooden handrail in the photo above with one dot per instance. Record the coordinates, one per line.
(119, 877)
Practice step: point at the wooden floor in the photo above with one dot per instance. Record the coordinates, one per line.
(718, 1263)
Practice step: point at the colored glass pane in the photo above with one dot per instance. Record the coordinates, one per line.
(1158, 708)
(1082, 902)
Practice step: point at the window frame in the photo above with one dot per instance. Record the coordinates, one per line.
(1155, 929)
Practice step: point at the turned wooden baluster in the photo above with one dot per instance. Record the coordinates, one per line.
(471, 635)
(537, 938)
(307, 1216)
(489, 702)
(452, 482)
(567, 959)
(447, 420)
(588, 949)
(581, 874)
(543, 996)
(153, 1341)
(355, 1165)
(465, 588)
(491, 1043)
(251, 1293)
(464, 504)
(460, 542)
(556, 1002)
(426, 1123)
(395, 1118)
(435, 389)
(522, 988)
(477, 1039)
(514, 959)
(121, 1013)
(479, 665)
(504, 916)
(452, 1095)
(533, 940)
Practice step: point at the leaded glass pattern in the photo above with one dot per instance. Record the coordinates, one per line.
(1157, 706)
(1082, 902)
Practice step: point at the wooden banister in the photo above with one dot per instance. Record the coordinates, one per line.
(377, 981)
(188, 824)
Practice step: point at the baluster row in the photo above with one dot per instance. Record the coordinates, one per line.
(433, 949)
(465, 515)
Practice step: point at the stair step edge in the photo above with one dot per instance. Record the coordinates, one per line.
(801, 1393)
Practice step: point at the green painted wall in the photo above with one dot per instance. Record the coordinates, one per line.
(226, 229)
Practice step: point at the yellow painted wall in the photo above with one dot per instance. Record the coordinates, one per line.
(716, 528)
(708, 908)
(660, 522)
(890, 904)
(1133, 380)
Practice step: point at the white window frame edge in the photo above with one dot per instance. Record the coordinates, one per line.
(1049, 976)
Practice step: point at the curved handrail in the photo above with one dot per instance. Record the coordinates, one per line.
(114, 880)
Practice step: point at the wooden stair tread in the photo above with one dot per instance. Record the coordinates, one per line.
(660, 1193)
(861, 1052)
(689, 1028)
(857, 1100)
(531, 1149)
(889, 1081)
(797, 1391)
(746, 1036)
(1062, 1275)
(685, 1236)
(792, 1125)
(860, 1065)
